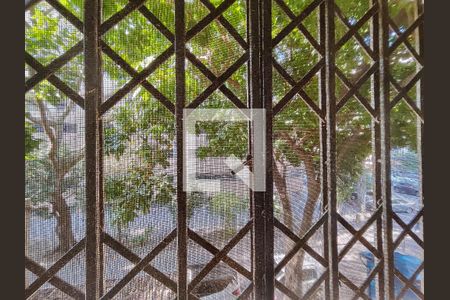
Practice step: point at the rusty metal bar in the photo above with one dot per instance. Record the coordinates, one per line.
(358, 236)
(323, 144)
(354, 89)
(407, 230)
(180, 91)
(410, 48)
(369, 278)
(256, 102)
(405, 34)
(300, 243)
(101, 200)
(315, 286)
(132, 72)
(57, 282)
(420, 42)
(218, 82)
(289, 79)
(219, 256)
(66, 13)
(385, 147)
(356, 35)
(297, 20)
(300, 26)
(157, 23)
(222, 20)
(266, 43)
(405, 89)
(248, 292)
(345, 280)
(138, 79)
(354, 28)
(132, 257)
(53, 79)
(54, 66)
(376, 146)
(140, 266)
(209, 18)
(408, 284)
(93, 96)
(210, 75)
(50, 272)
(120, 15)
(214, 251)
(286, 291)
(333, 261)
(298, 86)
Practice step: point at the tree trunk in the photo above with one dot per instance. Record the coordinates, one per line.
(293, 272)
(281, 186)
(63, 218)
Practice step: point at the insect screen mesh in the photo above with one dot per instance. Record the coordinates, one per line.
(139, 149)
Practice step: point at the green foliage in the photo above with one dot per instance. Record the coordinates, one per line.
(141, 131)
(47, 34)
(142, 238)
(31, 143)
(41, 181)
(228, 205)
(135, 192)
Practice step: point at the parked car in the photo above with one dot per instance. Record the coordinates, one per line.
(405, 185)
(404, 203)
(405, 264)
(402, 207)
(222, 282)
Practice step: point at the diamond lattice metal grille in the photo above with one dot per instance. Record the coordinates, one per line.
(341, 86)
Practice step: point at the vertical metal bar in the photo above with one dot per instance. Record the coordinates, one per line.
(93, 91)
(323, 140)
(331, 148)
(420, 43)
(266, 27)
(251, 200)
(180, 90)
(385, 155)
(101, 198)
(258, 197)
(376, 146)
(28, 208)
(421, 126)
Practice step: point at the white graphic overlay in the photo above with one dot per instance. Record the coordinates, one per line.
(255, 179)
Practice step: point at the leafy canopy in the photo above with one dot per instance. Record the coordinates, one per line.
(140, 132)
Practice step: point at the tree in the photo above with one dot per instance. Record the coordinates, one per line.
(141, 132)
(51, 176)
(57, 166)
(296, 128)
